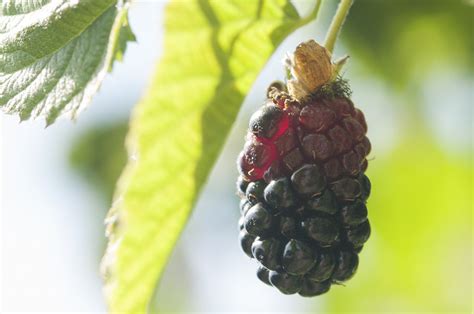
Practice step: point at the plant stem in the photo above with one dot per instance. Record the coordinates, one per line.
(336, 24)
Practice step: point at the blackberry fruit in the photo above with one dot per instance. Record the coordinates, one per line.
(302, 187)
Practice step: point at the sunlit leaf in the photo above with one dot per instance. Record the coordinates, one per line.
(213, 52)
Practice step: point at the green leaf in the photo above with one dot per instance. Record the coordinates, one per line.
(119, 43)
(54, 54)
(213, 52)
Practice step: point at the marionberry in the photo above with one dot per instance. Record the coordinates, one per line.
(303, 189)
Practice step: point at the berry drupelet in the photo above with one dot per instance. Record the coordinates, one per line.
(302, 184)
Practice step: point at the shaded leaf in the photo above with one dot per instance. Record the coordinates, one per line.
(54, 54)
(213, 52)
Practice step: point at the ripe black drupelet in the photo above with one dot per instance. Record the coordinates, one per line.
(303, 190)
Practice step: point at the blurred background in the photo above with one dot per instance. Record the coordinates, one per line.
(411, 71)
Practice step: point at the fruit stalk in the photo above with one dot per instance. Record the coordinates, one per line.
(336, 24)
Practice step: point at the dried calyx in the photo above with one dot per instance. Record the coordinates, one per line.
(311, 68)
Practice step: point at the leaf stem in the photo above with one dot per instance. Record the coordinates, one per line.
(336, 24)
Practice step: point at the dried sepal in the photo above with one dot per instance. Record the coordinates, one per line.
(310, 67)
